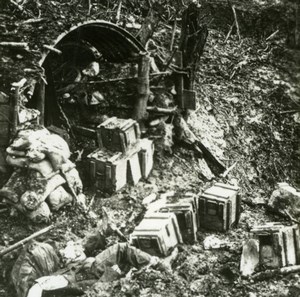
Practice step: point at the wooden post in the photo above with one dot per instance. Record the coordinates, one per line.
(179, 80)
(15, 111)
(41, 101)
(143, 88)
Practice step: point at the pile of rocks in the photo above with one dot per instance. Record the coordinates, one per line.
(44, 178)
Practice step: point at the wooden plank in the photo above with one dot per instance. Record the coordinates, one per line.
(5, 112)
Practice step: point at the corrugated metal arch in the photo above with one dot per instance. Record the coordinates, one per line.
(113, 42)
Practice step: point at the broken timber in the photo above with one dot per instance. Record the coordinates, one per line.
(143, 88)
(25, 240)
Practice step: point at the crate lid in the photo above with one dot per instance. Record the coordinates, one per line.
(214, 197)
(117, 123)
(221, 190)
(271, 227)
(155, 221)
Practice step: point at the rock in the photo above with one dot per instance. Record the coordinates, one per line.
(285, 199)
(250, 257)
(213, 242)
(92, 69)
(149, 199)
(58, 198)
(41, 214)
(73, 252)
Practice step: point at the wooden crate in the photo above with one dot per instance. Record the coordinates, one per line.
(279, 245)
(108, 170)
(157, 234)
(219, 207)
(118, 134)
(186, 217)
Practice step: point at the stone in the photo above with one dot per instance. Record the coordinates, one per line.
(250, 257)
(285, 199)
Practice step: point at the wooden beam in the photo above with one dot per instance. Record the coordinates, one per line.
(41, 101)
(143, 88)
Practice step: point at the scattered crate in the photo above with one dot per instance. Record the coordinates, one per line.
(118, 134)
(279, 245)
(219, 207)
(157, 234)
(186, 215)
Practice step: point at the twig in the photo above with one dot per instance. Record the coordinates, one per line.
(90, 204)
(229, 32)
(236, 22)
(3, 210)
(272, 35)
(52, 49)
(89, 7)
(119, 11)
(16, 5)
(21, 45)
(290, 217)
(290, 111)
(32, 21)
(173, 32)
(228, 170)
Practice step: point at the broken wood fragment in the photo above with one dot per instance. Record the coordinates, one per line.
(19, 45)
(185, 135)
(236, 22)
(52, 49)
(273, 272)
(162, 110)
(25, 240)
(85, 131)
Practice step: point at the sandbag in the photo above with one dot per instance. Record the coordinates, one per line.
(16, 153)
(20, 162)
(54, 147)
(44, 167)
(58, 198)
(36, 260)
(73, 180)
(27, 137)
(40, 215)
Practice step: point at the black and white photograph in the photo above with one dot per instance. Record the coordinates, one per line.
(150, 148)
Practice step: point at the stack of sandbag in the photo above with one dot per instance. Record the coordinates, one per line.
(44, 177)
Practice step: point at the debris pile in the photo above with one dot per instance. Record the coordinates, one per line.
(122, 157)
(44, 178)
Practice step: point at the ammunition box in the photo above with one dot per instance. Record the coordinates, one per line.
(186, 217)
(219, 207)
(279, 245)
(108, 170)
(118, 134)
(157, 234)
(146, 156)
